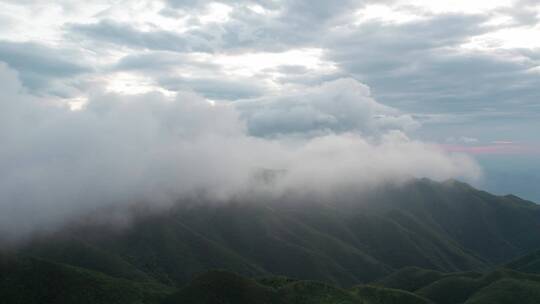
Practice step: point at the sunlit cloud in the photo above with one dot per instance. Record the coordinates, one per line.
(457, 6)
(507, 38)
(44, 21)
(250, 64)
(216, 13)
(131, 84)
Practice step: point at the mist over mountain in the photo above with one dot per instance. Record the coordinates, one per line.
(161, 256)
(58, 164)
(346, 239)
(269, 152)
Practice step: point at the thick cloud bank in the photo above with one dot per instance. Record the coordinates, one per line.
(56, 164)
(338, 106)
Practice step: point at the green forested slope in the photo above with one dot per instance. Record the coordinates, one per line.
(414, 243)
(527, 263)
(217, 287)
(346, 240)
(31, 280)
(498, 286)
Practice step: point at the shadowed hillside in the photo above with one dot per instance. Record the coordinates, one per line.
(222, 287)
(28, 280)
(342, 240)
(528, 263)
(31, 280)
(499, 286)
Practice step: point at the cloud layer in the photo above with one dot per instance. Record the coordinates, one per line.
(220, 99)
(57, 164)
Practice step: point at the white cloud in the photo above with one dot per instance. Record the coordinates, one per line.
(215, 13)
(57, 164)
(253, 63)
(130, 83)
(507, 38)
(339, 106)
(459, 6)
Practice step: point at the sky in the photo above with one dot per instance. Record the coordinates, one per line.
(121, 100)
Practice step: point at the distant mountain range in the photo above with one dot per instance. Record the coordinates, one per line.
(422, 242)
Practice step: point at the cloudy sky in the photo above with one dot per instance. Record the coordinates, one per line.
(442, 88)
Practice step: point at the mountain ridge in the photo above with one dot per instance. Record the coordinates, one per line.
(421, 242)
(447, 226)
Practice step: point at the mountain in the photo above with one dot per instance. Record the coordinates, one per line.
(419, 242)
(498, 286)
(223, 287)
(344, 240)
(32, 280)
(529, 263)
(501, 286)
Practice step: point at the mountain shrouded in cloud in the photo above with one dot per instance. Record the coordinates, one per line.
(436, 70)
(269, 151)
(57, 164)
